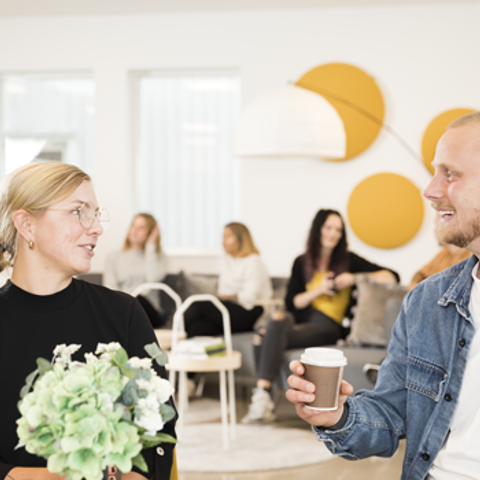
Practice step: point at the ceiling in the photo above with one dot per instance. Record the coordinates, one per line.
(94, 7)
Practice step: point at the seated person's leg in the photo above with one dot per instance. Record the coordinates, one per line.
(241, 319)
(203, 318)
(269, 345)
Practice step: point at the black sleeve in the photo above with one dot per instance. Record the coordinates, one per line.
(296, 285)
(360, 265)
(159, 460)
(4, 469)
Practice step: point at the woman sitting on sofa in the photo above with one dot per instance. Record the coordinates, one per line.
(243, 281)
(318, 296)
(141, 260)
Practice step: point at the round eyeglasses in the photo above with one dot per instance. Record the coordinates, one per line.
(87, 214)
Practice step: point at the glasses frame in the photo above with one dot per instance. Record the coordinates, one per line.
(91, 220)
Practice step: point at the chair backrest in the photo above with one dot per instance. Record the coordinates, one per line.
(179, 325)
(158, 286)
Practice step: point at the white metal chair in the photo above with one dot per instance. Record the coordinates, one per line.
(164, 335)
(228, 363)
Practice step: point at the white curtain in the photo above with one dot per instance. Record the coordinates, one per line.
(186, 174)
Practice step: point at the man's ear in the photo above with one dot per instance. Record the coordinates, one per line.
(24, 224)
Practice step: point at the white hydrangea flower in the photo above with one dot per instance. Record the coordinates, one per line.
(163, 388)
(107, 350)
(144, 384)
(63, 353)
(91, 358)
(140, 363)
(149, 417)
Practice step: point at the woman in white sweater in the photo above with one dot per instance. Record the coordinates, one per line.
(243, 281)
(141, 260)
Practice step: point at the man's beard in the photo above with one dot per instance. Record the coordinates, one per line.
(460, 238)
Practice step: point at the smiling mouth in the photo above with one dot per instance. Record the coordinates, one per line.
(446, 213)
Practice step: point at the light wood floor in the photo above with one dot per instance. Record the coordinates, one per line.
(334, 469)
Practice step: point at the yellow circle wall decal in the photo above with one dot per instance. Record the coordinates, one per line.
(435, 130)
(357, 99)
(385, 210)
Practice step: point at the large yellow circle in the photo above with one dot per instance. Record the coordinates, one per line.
(357, 99)
(435, 130)
(385, 210)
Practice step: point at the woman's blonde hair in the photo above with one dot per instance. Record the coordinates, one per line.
(33, 187)
(241, 232)
(151, 223)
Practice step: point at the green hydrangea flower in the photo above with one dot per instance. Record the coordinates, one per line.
(80, 416)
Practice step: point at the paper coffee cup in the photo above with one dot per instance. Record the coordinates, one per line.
(324, 368)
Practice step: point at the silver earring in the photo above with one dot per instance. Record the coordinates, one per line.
(30, 244)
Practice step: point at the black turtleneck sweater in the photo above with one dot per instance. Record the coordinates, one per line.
(31, 326)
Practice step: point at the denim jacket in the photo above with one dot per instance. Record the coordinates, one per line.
(420, 380)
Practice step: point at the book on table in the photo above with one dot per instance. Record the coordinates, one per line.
(201, 347)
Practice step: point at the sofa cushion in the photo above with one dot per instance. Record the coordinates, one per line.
(191, 284)
(368, 326)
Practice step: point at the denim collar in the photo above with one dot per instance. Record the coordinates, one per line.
(459, 290)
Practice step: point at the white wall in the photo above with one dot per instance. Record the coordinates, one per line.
(424, 58)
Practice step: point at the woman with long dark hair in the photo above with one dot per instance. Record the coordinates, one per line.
(318, 296)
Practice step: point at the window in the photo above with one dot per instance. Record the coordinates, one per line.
(46, 118)
(186, 175)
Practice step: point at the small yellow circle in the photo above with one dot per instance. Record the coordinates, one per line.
(435, 130)
(357, 99)
(385, 210)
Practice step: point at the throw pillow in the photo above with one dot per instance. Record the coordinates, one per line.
(194, 283)
(368, 326)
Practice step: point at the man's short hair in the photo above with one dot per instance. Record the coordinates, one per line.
(465, 120)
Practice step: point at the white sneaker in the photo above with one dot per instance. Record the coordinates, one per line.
(261, 408)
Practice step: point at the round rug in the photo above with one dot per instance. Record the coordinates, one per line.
(256, 447)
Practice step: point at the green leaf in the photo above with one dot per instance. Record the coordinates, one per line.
(43, 365)
(152, 441)
(155, 352)
(128, 372)
(121, 357)
(139, 462)
(167, 412)
(30, 378)
(28, 383)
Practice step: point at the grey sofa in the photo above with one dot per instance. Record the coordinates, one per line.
(357, 355)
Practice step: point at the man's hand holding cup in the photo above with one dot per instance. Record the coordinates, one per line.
(319, 371)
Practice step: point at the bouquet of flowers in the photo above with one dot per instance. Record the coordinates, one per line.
(83, 417)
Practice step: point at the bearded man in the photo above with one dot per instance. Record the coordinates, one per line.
(428, 390)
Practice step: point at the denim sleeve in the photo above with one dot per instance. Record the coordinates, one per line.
(376, 420)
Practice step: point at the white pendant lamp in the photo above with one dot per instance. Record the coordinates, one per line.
(291, 121)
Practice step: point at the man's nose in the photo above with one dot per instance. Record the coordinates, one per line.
(434, 189)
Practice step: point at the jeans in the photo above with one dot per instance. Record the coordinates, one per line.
(281, 335)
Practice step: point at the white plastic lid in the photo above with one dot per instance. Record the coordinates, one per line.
(328, 357)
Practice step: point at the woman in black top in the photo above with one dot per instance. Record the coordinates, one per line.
(50, 225)
(317, 300)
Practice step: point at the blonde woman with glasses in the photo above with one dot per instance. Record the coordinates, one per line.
(243, 280)
(50, 224)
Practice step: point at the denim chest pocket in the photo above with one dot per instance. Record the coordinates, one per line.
(425, 378)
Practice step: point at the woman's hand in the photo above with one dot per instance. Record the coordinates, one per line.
(326, 287)
(154, 235)
(302, 391)
(344, 280)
